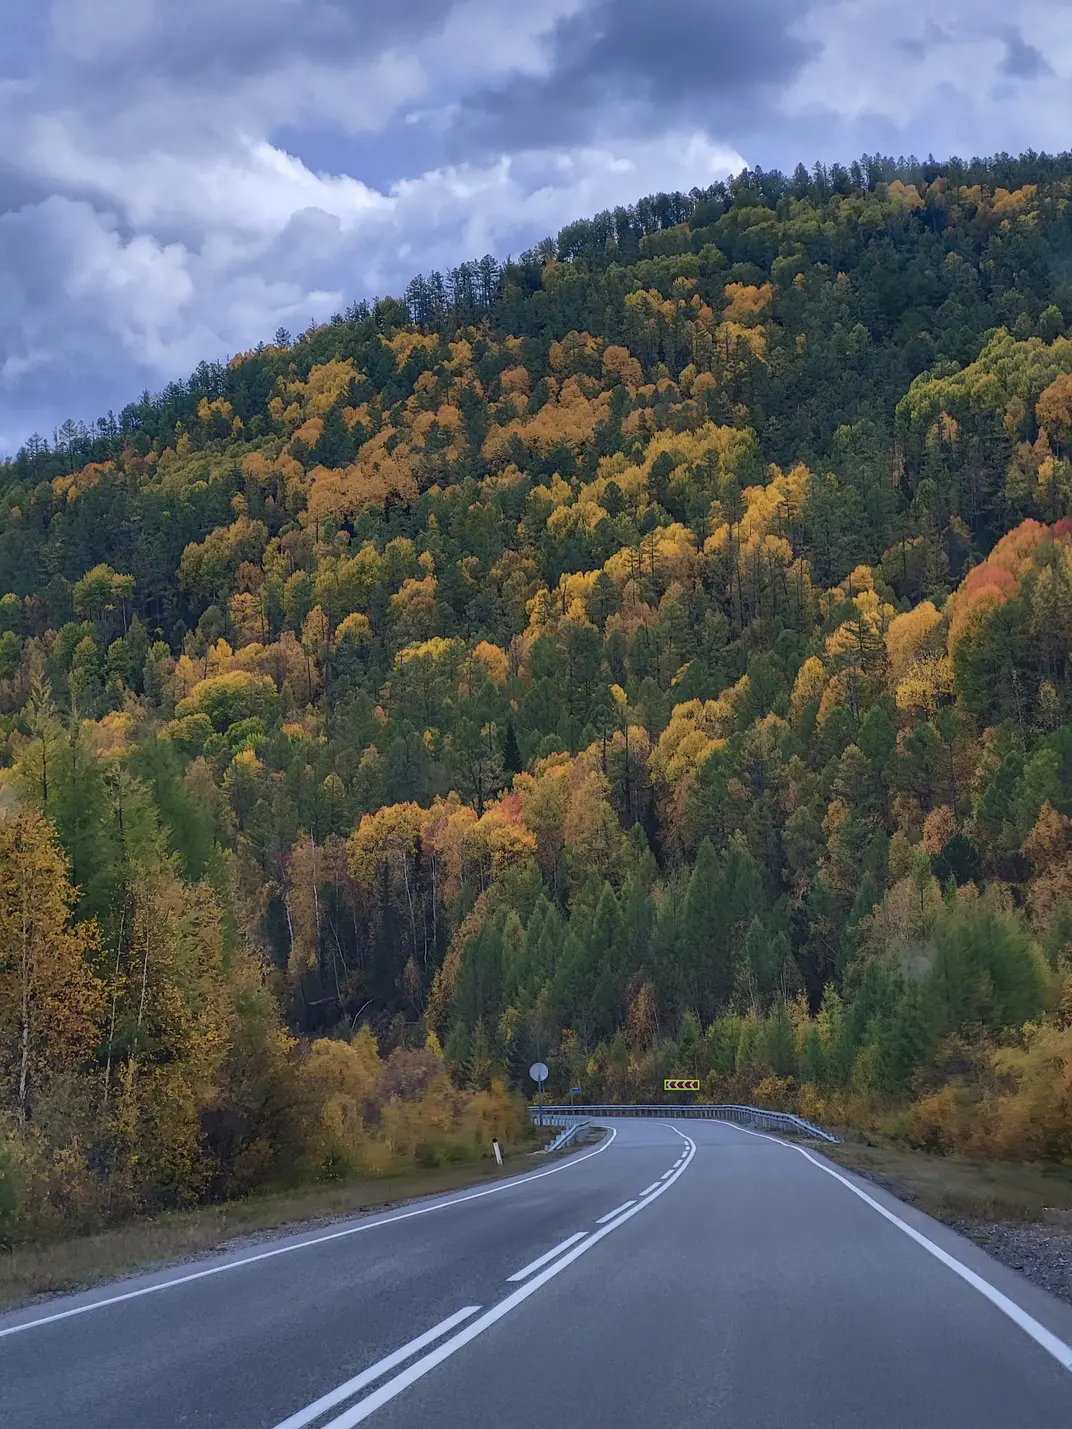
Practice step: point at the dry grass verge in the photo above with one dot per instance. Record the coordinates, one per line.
(954, 1187)
(32, 1272)
(1020, 1214)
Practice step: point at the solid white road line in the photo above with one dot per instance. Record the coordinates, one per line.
(1054, 1346)
(359, 1412)
(649, 1189)
(527, 1270)
(303, 1244)
(616, 1212)
(376, 1371)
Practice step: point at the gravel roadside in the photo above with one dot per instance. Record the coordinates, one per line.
(1039, 1251)
(1042, 1253)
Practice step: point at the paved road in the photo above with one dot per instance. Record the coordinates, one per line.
(704, 1276)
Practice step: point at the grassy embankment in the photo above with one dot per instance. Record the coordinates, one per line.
(953, 1188)
(28, 1272)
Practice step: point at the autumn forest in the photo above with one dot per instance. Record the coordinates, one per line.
(651, 655)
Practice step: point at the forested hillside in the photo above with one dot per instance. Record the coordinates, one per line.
(651, 655)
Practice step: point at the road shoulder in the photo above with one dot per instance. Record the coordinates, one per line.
(34, 1275)
(1020, 1215)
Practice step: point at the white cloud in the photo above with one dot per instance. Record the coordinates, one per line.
(279, 244)
(172, 229)
(152, 221)
(954, 76)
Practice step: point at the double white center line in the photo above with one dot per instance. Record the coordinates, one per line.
(616, 1212)
(376, 1371)
(533, 1265)
(536, 1274)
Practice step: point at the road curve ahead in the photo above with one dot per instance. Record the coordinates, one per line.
(679, 1274)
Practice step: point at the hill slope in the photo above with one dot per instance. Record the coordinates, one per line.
(651, 655)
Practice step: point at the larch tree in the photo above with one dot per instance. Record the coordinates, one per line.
(51, 999)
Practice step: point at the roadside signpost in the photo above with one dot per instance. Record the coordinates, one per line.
(538, 1073)
(572, 1092)
(681, 1084)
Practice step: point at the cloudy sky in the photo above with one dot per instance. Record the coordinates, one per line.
(180, 177)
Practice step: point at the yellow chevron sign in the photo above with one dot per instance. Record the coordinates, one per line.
(681, 1084)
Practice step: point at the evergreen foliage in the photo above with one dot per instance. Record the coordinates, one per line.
(651, 655)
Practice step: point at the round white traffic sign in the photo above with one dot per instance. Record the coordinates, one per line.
(538, 1071)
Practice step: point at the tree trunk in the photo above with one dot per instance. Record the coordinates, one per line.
(24, 1058)
(144, 976)
(111, 1019)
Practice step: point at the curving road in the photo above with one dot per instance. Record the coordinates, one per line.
(679, 1274)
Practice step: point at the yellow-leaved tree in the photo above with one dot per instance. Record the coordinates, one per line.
(50, 997)
(339, 1081)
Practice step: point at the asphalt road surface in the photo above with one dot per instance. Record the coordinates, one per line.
(677, 1275)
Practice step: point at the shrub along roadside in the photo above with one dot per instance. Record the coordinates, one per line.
(62, 1266)
(342, 1115)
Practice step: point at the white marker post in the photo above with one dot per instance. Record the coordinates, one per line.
(497, 1149)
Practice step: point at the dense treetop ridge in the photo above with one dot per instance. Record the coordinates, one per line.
(651, 654)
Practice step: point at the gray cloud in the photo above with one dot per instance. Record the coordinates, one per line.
(1022, 61)
(178, 180)
(917, 45)
(708, 61)
(205, 39)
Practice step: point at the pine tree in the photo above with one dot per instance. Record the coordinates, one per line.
(691, 1050)
(511, 757)
(479, 1064)
(748, 1058)
(706, 936)
(528, 973)
(479, 993)
(669, 969)
(606, 948)
(779, 1042)
(812, 1058)
(723, 1037)
(638, 913)
(839, 1041)
(549, 947)
(457, 1051)
(513, 955)
(907, 1040)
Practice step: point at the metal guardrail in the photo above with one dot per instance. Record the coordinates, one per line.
(568, 1133)
(742, 1115)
